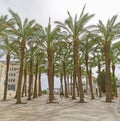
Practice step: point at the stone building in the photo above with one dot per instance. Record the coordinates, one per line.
(12, 76)
(2, 77)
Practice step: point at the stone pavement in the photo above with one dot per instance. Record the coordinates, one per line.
(67, 110)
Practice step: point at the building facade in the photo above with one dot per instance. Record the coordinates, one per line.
(12, 76)
(2, 77)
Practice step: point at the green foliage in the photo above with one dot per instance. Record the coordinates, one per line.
(113, 93)
(101, 81)
(44, 91)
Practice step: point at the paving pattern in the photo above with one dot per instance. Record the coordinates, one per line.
(67, 110)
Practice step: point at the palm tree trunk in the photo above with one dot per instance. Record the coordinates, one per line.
(65, 83)
(107, 76)
(18, 94)
(91, 86)
(6, 79)
(73, 89)
(77, 87)
(24, 85)
(71, 84)
(35, 85)
(99, 81)
(53, 81)
(61, 83)
(50, 75)
(80, 85)
(39, 85)
(89, 76)
(68, 82)
(114, 81)
(30, 80)
(25, 79)
(75, 57)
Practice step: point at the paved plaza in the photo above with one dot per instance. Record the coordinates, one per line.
(65, 110)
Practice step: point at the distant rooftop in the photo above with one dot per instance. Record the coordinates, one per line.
(11, 62)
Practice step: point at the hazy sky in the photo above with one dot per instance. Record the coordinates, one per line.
(41, 10)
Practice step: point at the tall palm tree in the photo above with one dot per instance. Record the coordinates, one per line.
(106, 34)
(63, 59)
(24, 31)
(114, 59)
(48, 41)
(30, 54)
(3, 25)
(59, 72)
(99, 62)
(75, 29)
(24, 88)
(88, 44)
(40, 64)
(6, 46)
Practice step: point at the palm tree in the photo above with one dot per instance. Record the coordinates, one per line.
(24, 31)
(48, 39)
(24, 88)
(106, 34)
(88, 44)
(59, 72)
(75, 29)
(114, 60)
(99, 62)
(40, 68)
(3, 25)
(6, 46)
(63, 60)
(39, 59)
(26, 70)
(30, 54)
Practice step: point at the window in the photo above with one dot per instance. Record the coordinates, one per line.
(8, 87)
(11, 87)
(13, 80)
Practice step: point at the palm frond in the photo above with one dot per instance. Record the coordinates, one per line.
(61, 25)
(16, 18)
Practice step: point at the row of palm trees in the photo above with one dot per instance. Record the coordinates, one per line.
(70, 50)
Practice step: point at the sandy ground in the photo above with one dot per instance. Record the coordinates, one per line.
(65, 110)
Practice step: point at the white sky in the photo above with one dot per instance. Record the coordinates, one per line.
(41, 10)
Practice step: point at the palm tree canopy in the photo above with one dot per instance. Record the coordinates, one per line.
(7, 46)
(110, 31)
(48, 36)
(23, 29)
(75, 27)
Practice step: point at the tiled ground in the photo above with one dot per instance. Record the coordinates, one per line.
(67, 110)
